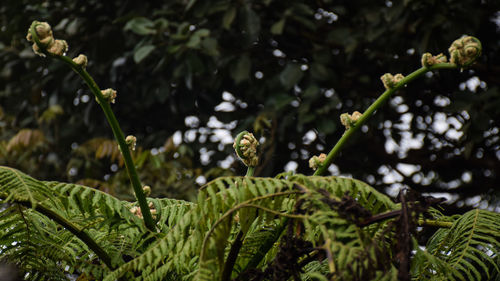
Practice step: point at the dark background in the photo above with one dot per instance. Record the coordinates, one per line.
(289, 69)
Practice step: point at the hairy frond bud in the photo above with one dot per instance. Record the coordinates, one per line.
(136, 210)
(58, 47)
(245, 146)
(317, 161)
(397, 78)
(109, 95)
(465, 51)
(43, 30)
(349, 120)
(131, 142)
(390, 80)
(387, 80)
(429, 60)
(46, 41)
(147, 190)
(81, 60)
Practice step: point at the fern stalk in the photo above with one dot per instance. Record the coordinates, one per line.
(236, 247)
(371, 110)
(115, 127)
(232, 256)
(436, 223)
(396, 213)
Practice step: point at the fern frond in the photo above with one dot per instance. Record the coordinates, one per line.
(65, 224)
(38, 245)
(466, 251)
(184, 240)
(366, 195)
(89, 201)
(231, 204)
(169, 211)
(15, 184)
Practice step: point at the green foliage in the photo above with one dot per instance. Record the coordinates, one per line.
(464, 251)
(195, 238)
(343, 46)
(292, 227)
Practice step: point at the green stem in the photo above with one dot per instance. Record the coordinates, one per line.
(120, 138)
(236, 247)
(396, 213)
(250, 171)
(371, 110)
(436, 223)
(232, 256)
(115, 127)
(78, 232)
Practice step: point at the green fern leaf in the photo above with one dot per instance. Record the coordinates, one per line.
(466, 251)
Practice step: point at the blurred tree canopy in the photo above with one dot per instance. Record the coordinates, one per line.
(191, 73)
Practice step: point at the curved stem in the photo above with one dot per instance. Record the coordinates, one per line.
(236, 247)
(232, 256)
(78, 232)
(436, 223)
(250, 171)
(396, 213)
(371, 110)
(115, 127)
(120, 138)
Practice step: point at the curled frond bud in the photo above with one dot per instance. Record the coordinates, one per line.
(147, 190)
(136, 210)
(464, 51)
(37, 50)
(44, 41)
(356, 115)
(349, 120)
(44, 34)
(81, 60)
(58, 47)
(109, 95)
(390, 80)
(387, 80)
(131, 142)
(317, 161)
(43, 30)
(245, 146)
(398, 77)
(429, 60)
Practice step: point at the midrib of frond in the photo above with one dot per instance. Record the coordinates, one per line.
(469, 239)
(28, 236)
(24, 184)
(435, 251)
(77, 231)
